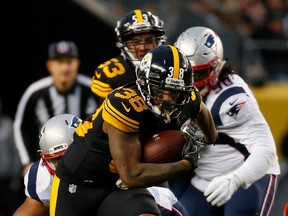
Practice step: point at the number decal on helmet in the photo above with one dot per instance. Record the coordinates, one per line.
(180, 74)
(139, 17)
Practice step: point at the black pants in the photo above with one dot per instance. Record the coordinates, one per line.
(78, 200)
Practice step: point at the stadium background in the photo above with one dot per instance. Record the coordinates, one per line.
(30, 26)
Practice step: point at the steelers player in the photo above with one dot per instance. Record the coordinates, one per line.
(102, 172)
(137, 32)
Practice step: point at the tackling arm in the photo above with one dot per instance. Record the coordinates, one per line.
(262, 156)
(126, 151)
(206, 124)
(32, 207)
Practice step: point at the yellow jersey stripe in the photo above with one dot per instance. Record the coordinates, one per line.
(99, 83)
(101, 89)
(117, 119)
(54, 195)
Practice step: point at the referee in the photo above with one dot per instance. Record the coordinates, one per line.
(64, 91)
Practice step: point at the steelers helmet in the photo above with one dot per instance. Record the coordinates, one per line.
(134, 23)
(55, 137)
(165, 67)
(204, 49)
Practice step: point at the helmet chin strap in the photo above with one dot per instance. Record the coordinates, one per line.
(130, 57)
(165, 114)
(168, 118)
(156, 110)
(210, 81)
(48, 166)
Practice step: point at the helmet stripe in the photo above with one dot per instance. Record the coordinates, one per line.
(176, 62)
(139, 16)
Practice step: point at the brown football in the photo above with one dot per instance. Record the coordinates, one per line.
(164, 147)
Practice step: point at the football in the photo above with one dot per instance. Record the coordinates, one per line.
(164, 147)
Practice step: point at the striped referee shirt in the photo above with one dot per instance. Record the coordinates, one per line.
(40, 102)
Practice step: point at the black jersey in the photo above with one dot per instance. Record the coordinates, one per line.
(88, 159)
(40, 102)
(110, 75)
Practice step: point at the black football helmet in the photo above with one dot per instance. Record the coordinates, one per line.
(138, 22)
(165, 67)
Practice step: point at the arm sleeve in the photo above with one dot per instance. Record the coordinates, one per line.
(243, 120)
(263, 154)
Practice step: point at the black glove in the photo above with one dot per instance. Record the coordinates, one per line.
(191, 128)
(191, 150)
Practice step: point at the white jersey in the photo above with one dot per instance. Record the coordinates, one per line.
(164, 197)
(244, 136)
(38, 182)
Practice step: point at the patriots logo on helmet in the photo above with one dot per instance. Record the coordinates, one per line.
(75, 122)
(234, 110)
(210, 41)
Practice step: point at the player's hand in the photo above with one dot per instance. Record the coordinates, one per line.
(221, 189)
(121, 185)
(193, 130)
(191, 150)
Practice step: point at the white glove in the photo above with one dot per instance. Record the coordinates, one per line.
(221, 189)
(120, 184)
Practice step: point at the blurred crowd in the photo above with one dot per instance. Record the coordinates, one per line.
(255, 32)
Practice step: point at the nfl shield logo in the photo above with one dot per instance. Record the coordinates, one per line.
(72, 188)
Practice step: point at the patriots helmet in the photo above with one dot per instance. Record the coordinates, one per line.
(55, 137)
(204, 49)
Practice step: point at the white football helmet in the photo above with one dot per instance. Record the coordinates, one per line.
(204, 49)
(55, 137)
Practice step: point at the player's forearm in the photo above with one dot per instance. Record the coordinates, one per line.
(146, 174)
(206, 124)
(262, 148)
(256, 166)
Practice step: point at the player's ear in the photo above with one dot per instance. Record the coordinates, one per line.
(48, 65)
(78, 62)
